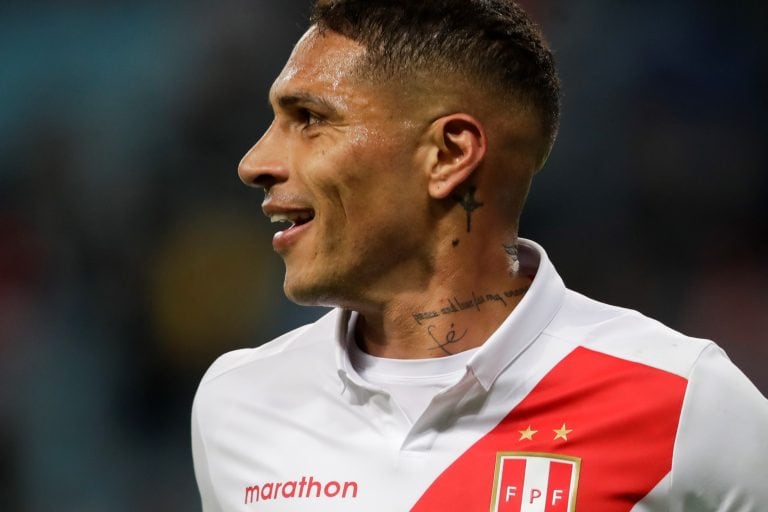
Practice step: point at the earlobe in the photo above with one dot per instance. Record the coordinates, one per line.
(459, 148)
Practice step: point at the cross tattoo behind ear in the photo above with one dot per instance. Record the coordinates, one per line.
(468, 202)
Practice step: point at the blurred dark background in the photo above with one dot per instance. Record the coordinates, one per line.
(130, 254)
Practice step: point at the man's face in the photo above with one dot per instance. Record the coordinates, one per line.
(339, 164)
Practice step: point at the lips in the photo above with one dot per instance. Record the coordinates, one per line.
(294, 218)
(297, 219)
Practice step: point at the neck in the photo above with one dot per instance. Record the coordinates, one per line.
(458, 309)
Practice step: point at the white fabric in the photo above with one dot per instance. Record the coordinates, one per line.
(412, 383)
(295, 415)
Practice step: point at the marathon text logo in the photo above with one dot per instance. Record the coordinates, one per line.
(307, 487)
(535, 482)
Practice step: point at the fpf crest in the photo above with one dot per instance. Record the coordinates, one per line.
(535, 482)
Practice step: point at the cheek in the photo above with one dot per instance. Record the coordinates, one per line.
(361, 137)
(365, 179)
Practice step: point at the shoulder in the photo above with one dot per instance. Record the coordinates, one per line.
(254, 383)
(270, 372)
(721, 451)
(625, 334)
(306, 337)
(237, 359)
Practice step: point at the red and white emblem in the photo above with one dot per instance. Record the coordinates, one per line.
(535, 482)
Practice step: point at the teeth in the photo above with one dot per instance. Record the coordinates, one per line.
(291, 217)
(279, 217)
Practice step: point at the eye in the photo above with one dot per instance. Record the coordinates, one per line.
(309, 118)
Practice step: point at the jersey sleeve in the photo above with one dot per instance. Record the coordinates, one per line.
(202, 470)
(720, 462)
(200, 412)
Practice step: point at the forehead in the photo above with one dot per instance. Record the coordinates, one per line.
(321, 62)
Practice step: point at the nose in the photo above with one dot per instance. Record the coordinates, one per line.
(262, 166)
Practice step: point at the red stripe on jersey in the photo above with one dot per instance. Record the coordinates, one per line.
(559, 487)
(619, 417)
(510, 489)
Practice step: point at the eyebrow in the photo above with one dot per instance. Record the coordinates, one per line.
(287, 101)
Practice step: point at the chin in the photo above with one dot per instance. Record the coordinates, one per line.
(307, 292)
(302, 297)
(326, 290)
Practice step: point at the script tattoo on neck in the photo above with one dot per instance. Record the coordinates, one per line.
(473, 301)
(444, 342)
(453, 305)
(468, 202)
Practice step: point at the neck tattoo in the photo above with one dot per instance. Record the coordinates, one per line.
(445, 341)
(468, 202)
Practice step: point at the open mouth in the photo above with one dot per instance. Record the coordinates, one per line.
(294, 219)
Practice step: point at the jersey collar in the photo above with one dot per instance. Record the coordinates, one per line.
(527, 321)
(520, 329)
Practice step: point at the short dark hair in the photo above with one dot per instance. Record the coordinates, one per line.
(487, 41)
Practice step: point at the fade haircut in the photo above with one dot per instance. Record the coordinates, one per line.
(489, 42)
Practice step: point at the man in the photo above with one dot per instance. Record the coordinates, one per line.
(457, 372)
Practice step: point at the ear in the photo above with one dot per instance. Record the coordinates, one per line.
(458, 147)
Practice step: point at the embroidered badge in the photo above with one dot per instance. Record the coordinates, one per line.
(535, 482)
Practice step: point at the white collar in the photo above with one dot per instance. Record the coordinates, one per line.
(526, 322)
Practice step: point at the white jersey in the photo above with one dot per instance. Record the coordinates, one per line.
(570, 405)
